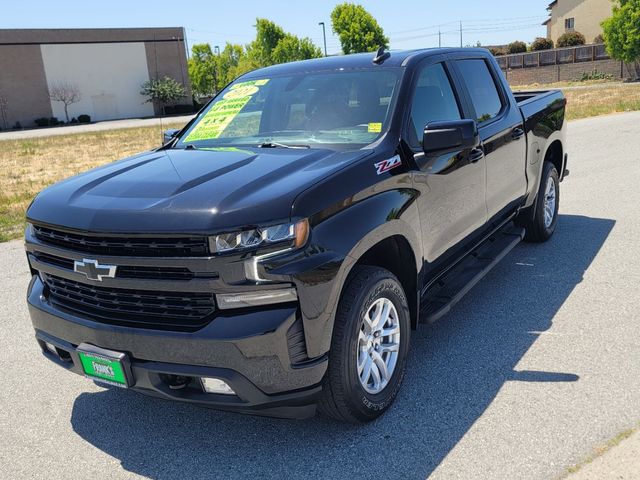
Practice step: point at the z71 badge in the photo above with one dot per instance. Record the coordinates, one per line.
(387, 165)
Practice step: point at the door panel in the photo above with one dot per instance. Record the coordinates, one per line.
(501, 131)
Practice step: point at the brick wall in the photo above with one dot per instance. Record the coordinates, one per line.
(565, 72)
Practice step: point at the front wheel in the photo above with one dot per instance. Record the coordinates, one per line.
(369, 347)
(541, 225)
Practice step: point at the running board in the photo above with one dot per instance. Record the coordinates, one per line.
(453, 285)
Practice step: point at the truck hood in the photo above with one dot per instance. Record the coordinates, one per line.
(188, 191)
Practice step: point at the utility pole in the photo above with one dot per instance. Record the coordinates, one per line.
(460, 34)
(324, 37)
(439, 38)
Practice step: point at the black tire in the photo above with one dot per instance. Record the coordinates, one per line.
(536, 229)
(343, 396)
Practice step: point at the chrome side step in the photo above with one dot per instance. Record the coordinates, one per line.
(448, 290)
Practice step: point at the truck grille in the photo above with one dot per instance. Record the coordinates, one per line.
(127, 271)
(122, 245)
(181, 311)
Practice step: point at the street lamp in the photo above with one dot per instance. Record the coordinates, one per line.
(324, 36)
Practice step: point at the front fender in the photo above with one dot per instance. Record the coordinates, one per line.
(335, 245)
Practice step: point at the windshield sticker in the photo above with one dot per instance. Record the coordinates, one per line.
(222, 113)
(375, 128)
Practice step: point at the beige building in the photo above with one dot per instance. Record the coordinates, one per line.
(106, 66)
(582, 16)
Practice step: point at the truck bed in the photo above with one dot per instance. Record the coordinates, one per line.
(534, 102)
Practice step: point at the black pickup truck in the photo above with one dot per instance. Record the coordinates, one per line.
(274, 255)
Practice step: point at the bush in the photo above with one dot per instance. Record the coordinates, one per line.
(42, 122)
(541, 43)
(595, 75)
(517, 47)
(84, 118)
(17, 126)
(571, 39)
(53, 121)
(599, 39)
(73, 121)
(497, 51)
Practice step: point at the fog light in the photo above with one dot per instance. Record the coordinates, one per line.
(252, 299)
(215, 385)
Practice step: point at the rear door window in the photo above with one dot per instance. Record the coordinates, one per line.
(482, 88)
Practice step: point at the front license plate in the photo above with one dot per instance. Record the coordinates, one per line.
(103, 369)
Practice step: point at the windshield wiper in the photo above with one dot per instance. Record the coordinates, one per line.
(281, 145)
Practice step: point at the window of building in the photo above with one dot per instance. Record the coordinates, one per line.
(569, 23)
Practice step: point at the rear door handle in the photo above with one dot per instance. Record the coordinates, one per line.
(476, 154)
(517, 133)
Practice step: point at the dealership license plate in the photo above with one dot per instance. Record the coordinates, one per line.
(103, 369)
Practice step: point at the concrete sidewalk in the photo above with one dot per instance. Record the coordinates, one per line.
(92, 127)
(621, 462)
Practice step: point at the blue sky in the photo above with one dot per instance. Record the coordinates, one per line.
(408, 23)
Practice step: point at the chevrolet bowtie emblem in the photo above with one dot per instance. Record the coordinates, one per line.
(93, 270)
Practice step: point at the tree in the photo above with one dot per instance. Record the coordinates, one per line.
(516, 47)
(292, 48)
(162, 92)
(202, 70)
(571, 39)
(65, 92)
(273, 45)
(622, 33)
(541, 43)
(210, 73)
(357, 29)
(227, 64)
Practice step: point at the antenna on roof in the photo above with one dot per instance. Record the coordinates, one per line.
(381, 56)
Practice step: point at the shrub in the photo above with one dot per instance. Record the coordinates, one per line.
(84, 118)
(517, 47)
(541, 43)
(53, 121)
(17, 126)
(599, 39)
(42, 122)
(571, 39)
(73, 121)
(595, 75)
(497, 51)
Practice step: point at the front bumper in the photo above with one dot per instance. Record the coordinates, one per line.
(249, 351)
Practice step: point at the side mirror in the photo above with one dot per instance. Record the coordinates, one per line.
(440, 138)
(169, 135)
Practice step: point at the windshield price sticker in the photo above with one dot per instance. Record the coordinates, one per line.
(222, 113)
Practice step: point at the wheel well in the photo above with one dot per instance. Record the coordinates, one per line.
(554, 155)
(395, 254)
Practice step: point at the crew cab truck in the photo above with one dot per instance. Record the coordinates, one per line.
(274, 256)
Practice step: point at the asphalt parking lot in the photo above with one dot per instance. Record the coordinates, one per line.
(539, 364)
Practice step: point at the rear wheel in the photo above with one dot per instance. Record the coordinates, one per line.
(369, 347)
(542, 223)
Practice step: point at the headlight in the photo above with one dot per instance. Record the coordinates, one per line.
(294, 233)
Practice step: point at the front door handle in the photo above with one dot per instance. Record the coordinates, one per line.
(475, 155)
(517, 133)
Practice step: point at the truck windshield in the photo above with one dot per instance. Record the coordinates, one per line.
(348, 108)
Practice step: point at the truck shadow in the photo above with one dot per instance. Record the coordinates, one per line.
(456, 369)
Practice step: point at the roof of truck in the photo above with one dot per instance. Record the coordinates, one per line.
(397, 58)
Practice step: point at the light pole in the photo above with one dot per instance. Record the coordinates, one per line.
(324, 37)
